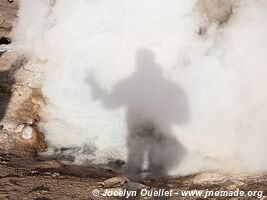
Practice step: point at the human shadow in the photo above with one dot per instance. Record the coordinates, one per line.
(153, 105)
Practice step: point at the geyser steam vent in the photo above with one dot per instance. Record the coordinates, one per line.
(136, 80)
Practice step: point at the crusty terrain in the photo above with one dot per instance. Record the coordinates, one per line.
(25, 177)
(25, 174)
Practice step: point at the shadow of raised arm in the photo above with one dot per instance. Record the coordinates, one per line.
(97, 91)
(109, 100)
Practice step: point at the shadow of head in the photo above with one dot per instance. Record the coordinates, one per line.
(144, 58)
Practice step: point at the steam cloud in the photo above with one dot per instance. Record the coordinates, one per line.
(190, 76)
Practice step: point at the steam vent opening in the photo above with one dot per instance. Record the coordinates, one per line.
(105, 97)
(5, 40)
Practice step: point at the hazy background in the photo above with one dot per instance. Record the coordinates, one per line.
(208, 94)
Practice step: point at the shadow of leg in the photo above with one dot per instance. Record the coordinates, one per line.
(164, 153)
(136, 150)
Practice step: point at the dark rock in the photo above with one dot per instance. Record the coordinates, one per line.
(114, 182)
(5, 40)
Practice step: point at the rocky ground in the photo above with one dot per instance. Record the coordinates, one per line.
(25, 174)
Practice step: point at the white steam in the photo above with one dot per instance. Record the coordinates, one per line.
(113, 64)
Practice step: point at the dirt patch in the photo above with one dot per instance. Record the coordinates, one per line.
(27, 177)
(218, 11)
(30, 109)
